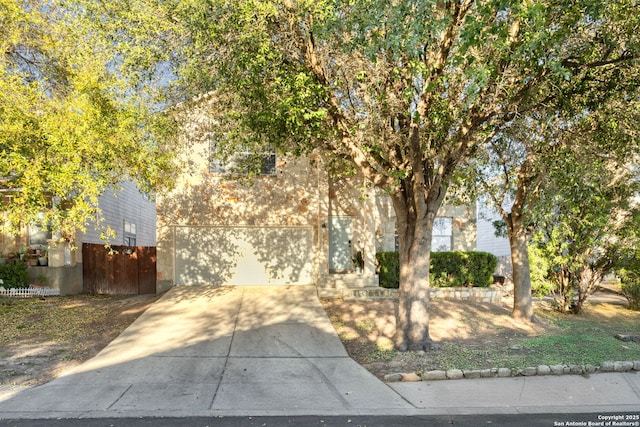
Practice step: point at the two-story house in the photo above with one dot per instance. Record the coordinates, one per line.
(291, 224)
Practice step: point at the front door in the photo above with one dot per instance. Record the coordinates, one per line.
(340, 232)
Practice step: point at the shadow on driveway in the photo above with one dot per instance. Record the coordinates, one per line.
(207, 351)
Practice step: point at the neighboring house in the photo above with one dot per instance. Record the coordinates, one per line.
(130, 214)
(488, 241)
(290, 225)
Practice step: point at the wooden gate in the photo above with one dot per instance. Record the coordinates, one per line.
(123, 270)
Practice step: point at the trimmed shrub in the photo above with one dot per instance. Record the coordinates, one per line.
(14, 275)
(448, 269)
(388, 269)
(454, 269)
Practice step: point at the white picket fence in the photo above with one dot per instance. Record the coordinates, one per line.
(31, 291)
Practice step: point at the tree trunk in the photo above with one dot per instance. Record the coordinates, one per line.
(590, 277)
(518, 232)
(563, 295)
(415, 229)
(518, 241)
(412, 317)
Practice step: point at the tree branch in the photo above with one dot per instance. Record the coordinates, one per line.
(573, 63)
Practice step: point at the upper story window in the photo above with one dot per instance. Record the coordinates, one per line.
(242, 163)
(129, 234)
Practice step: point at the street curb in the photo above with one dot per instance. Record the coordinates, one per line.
(540, 370)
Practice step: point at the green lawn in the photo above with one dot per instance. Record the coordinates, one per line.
(584, 339)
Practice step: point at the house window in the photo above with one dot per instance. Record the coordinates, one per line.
(38, 235)
(442, 239)
(268, 164)
(129, 233)
(396, 241)
(243, 163)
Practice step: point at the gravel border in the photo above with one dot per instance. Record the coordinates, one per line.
(458, 374)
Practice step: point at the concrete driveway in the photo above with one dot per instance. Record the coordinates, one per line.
(207, 351)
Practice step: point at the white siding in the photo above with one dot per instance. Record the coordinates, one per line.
(123, 204)
(487, 240)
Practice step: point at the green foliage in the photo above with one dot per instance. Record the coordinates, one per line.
(630, 287)
(588, 224)
(539, 268)
(358, 260)
(556, 156)
(14, 275)
(79, 98)
(448, 269)
(628, 271)
(388, 269)
(559, 349)
(360, 79)
(453, 269)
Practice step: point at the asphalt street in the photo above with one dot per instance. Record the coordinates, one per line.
(498, 420)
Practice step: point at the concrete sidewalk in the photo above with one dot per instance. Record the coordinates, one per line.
(252, 351)
(564, 394)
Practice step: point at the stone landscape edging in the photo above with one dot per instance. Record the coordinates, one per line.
(492, 294)
(540, 370)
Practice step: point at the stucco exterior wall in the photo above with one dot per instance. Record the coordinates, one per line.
(293, 197)
(353, 197)
(299, 194)
(300, 197)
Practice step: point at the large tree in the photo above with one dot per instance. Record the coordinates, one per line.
(567, 174)
(404, 91)
(570, 187)
(79, 95)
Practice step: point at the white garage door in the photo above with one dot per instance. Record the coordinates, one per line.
(244, 256)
